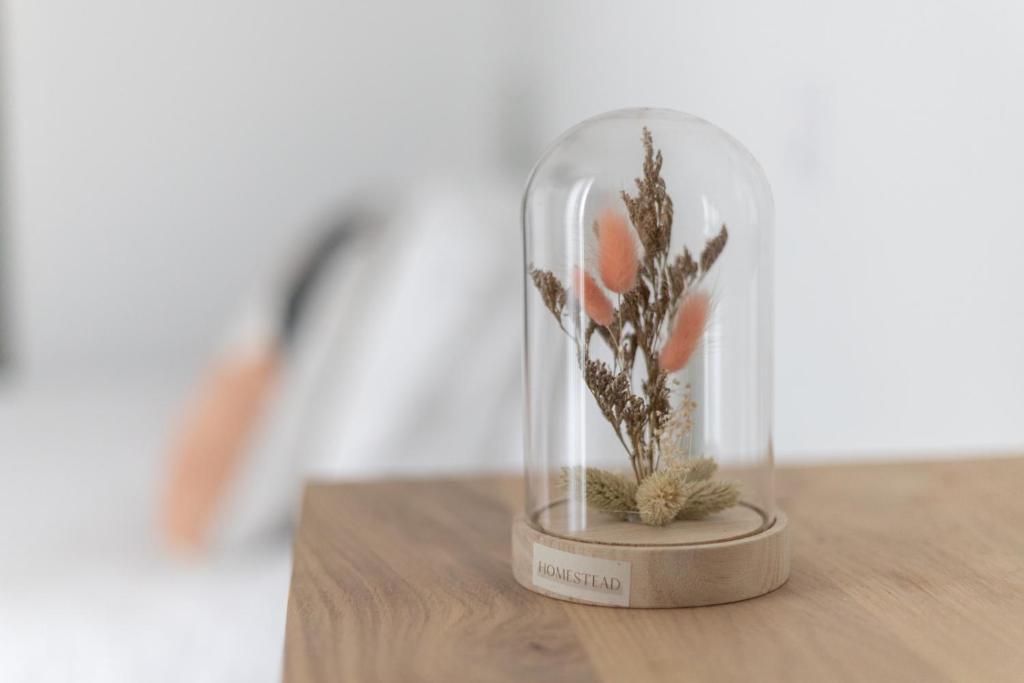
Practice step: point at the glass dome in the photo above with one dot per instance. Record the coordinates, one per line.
(648, 364)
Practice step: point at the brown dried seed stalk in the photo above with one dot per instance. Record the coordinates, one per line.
(681, 274)
(551, 291)
(713, 249)
(609, 389)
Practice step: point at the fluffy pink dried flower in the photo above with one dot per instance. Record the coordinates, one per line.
(595, 303)
(617, 261)
(686, 333)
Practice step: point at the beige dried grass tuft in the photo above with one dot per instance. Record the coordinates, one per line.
(704, 498)
(604, 490)
(693, 469)
(660, 497)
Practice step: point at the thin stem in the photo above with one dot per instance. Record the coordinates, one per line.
(582, 355)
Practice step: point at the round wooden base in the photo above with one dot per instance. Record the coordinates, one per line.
(626, 574)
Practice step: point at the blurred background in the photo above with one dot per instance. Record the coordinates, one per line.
(170, 170)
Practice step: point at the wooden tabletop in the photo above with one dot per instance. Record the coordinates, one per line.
(901, 572)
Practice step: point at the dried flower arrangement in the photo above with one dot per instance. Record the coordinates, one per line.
(659, 313)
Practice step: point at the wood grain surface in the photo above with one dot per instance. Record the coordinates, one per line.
(900, 572)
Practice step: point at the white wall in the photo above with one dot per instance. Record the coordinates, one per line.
(146, 137)
(892, 134)
(164, 154)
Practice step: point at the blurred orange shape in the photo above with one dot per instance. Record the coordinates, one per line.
(210, 444)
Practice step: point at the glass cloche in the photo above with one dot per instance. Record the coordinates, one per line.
(648, 363)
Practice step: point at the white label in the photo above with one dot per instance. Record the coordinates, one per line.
(605, 582)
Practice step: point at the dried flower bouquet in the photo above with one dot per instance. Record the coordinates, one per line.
(659, 315)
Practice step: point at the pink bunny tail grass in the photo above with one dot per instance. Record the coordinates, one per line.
(595, 303)
(689, 326)
(616, 259)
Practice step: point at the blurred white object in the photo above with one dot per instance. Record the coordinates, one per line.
(86, 594)
(407, 361)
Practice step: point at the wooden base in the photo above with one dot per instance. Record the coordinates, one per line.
(626, 574)
(737, 522)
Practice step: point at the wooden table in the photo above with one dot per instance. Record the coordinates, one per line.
(911, 572)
